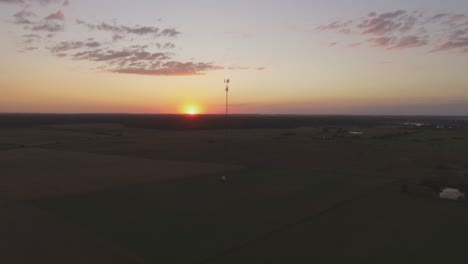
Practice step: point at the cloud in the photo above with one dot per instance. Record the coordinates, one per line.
(52, 23)
(56, 16)
(392, 15)
(383, 42)
(407, 42)
(354, 45)
(117, 37)
(378, 26)
(235, 68)
(72, 45)
(168, 45)
(66, 3)
(42, 2)
(438, 16)
(345, 31)
(45, 2)
(12, 1)
(170, 68)
(151, 58)
(30, 42)
(135, 30)
(409, 24)
(456, 39)
(456, 18)
(403, 29)
(48, 27)
(132, 60)
(120, 57)
(461, 45)
(23, 17)
(32, 36)
(165, 46)
(337, 25)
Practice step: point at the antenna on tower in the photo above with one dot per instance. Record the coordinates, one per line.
(227, 81)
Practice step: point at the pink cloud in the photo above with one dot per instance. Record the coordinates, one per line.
(354, 45)
(403, 29)
(450, 45)
(381, 42)
(56, 16)
(378, 26)
(456, 18)
(410, 42)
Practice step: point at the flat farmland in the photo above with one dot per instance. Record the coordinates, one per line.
(108, 191)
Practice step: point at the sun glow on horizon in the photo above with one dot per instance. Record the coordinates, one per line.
(192, 110)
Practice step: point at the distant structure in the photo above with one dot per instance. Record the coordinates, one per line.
(227, 81)
(452, 194)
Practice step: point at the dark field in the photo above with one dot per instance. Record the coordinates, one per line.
(298, 189)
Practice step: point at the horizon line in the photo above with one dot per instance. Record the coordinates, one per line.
(234, 114)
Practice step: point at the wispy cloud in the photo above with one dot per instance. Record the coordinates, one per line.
(233, 68)
(48, 27)
(354, 45)
(23, 17)
(403, 29)
(42, 2)
(136, 30)
(12, 1)
(170, 68)
(52, 23)
(73, 45)
(406, 42)
(381, 25)
(337, 25)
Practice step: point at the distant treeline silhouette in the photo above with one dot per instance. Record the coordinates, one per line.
(184, 122)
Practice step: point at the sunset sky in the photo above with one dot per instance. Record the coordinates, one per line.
(283, 57)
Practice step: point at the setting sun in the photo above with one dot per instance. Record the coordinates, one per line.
(191, 111)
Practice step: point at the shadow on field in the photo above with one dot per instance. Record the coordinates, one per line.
(192, 220)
